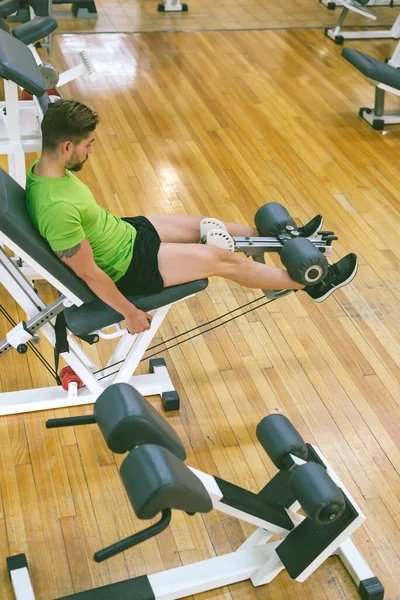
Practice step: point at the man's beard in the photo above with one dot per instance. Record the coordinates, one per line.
(76, 166)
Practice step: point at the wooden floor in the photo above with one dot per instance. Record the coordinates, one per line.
(218, 123)
(142, 15)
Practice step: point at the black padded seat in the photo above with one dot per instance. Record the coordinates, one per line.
(35, 30)
(373, 68)
(8, 7)
(82, 320)
(18, 64)
(155, 480)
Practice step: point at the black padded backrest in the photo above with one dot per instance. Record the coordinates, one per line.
(41, 7)
(155, 479)
(18, 64)
(8, 7)
(26, 241)
(126, 419)
(34, 30)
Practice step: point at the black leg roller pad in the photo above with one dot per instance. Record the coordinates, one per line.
(371, 589)
(131, 589)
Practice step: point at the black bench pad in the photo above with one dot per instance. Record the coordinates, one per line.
(17, 64)
(373, 68)
(156, 480)
(126, 420)
(8, 7)
(96, 315)
(35, 30)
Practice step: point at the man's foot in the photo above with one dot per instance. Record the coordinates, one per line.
(311, 229)
(339, 274)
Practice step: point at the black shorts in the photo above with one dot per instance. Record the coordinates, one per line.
(142, 277)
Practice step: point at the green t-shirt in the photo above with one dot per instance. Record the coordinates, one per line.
(65, 212)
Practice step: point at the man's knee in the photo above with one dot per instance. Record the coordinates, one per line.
(222, 261)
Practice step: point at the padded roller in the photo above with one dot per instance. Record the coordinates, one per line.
(304, 262)
(126, 420)
(155, 479)
(279, 439)
(272, 219)
(318, 494)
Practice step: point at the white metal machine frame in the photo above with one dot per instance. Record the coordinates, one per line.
(256, 559)
(338, 35)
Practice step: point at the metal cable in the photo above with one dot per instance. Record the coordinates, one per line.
(175, 337)
(54, 374)
(191, 337)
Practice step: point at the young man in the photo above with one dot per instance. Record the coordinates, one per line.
(140, 255)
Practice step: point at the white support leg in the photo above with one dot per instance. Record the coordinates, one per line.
(354, 562)
(173, 5)
(208, 574)
(22, 586)
(140, 345)
(19, 575)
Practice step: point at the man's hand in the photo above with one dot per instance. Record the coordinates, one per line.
(80, 259)
(137, 321)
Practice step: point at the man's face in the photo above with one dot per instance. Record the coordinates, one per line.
(80, 153)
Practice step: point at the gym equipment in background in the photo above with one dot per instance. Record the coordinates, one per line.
(155, 457)
(386, 78)
(333, 4)
(358, 6)
(172, 6)
(20, 120)
(81, 9)
(39, 24)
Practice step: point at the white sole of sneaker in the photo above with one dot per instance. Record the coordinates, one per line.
(220, 239)
(207, 225)
(348, 280)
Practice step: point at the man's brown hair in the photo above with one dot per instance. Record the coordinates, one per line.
(66, 120)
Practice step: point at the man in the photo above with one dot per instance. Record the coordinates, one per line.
(140, 255)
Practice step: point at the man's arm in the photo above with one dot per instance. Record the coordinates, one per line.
(80, 259)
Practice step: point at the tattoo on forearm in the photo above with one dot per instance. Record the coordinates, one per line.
(68, 253)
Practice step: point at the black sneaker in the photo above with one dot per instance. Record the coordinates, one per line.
(339, 274)
(311, 229)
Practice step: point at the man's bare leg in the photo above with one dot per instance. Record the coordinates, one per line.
(185, 229)
(180, 263)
